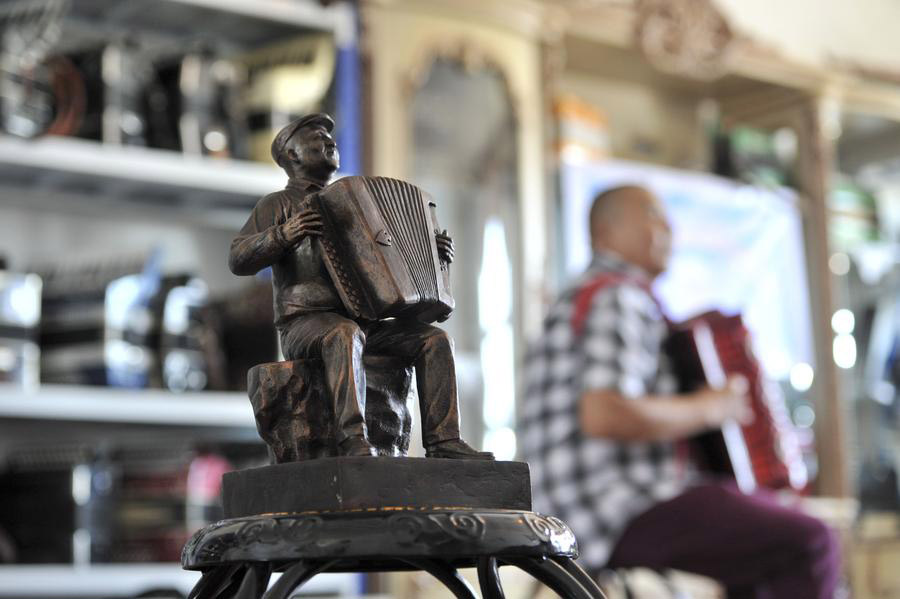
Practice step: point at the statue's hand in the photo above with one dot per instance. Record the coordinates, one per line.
(444, 246)
(306, 223)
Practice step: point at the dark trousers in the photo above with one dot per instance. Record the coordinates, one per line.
(749, 543)
(340, 342)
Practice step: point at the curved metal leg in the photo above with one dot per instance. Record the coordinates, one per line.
(448, 575)
(255, 582)
(580, 575)
(214, 581)
(557, 577)
(294, 577)
(230, 591)
(489, 578)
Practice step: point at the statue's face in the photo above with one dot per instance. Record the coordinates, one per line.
(315, 150)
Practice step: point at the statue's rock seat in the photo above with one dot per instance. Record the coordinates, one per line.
(295, 416)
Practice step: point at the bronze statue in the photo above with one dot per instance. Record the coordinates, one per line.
(360, 271)
(319, 312)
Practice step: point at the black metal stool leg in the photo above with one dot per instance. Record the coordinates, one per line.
(255, 581)
(555, 576)
(579, 574)
(294, 577)
(448, 575)
(214, 581)
(489, 578)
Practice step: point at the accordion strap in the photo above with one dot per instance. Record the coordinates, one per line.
(584, 295)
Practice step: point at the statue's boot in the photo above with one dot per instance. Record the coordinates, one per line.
(356, 446)
(456, 449)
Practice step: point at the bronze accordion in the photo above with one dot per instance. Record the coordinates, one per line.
(378, 242)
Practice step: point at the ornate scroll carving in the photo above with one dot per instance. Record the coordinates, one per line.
(359, 534)
(689, 38)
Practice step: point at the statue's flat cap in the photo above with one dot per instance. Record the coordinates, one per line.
(318, 119)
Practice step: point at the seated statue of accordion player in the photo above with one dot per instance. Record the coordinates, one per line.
(357, 268)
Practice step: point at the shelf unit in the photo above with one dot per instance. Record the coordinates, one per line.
(82, 176)
(210, 197)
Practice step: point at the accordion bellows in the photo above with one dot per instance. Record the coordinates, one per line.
(380, 250)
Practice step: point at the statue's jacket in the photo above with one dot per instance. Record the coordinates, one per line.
(300, 281)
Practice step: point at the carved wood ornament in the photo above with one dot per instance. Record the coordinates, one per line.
(689, 38)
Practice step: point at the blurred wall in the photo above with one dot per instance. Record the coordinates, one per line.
(651, 124)
(820, 31)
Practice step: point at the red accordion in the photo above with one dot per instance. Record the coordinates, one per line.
(765, 453)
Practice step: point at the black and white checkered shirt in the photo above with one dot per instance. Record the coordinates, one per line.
(605, 332)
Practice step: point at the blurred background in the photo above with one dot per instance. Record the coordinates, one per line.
(134, 141)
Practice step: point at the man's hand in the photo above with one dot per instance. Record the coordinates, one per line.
(730, 403)
(308, 222)
(444, 246)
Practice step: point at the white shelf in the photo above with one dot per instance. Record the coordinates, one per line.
(242, 24)
(302, 14)
(85, 158)
(237, 26)
(68, 175)
(65, 174)
(127, 406)
(127, 580)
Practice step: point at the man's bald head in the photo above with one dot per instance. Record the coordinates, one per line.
(606, 208)
(629, 220)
